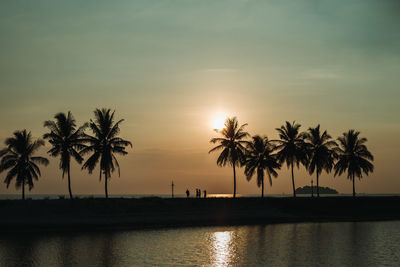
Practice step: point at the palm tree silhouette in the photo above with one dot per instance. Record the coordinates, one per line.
(66, 141)
(19, 158)
(259, 158)
(353, 157)
(291, 147)
(104, 144)
(321, 152)
(232, 144)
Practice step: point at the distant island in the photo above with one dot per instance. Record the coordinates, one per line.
(322, 190)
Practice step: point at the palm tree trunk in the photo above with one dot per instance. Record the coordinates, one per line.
(294, 189)
(69, 182)
(234, 181)
(23, 190)
(105, 184)
(317, 184)
(354, 187)
(312, 189)
(262, 188)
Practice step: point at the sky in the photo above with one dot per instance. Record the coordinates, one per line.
(170, 68)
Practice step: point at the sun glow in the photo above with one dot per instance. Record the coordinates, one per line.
(218, 122)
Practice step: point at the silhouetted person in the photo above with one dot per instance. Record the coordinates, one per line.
(205, 193)
(187, 193)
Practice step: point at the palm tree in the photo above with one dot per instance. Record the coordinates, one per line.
(291, 147)
(353, 157)
(321, 152)
(19, 158)
(104, 144)
(232, 144)
(260, 159)
(66, 141)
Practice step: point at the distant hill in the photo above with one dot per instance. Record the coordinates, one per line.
(322, 190)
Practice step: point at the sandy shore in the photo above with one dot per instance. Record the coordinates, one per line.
(101, 214)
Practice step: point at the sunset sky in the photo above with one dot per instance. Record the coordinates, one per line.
(171, 68)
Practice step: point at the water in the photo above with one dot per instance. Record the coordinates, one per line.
(307, 244)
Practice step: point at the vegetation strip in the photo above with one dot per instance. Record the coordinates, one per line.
(98, 213)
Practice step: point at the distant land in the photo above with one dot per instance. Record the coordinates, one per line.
(322, 190)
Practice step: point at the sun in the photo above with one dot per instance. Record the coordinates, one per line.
(218, 122)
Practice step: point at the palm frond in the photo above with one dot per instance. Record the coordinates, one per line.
(353, 156)
(91, 162)
(40, 160)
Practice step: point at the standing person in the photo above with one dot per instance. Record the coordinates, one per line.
(205, 193)
(187, 193)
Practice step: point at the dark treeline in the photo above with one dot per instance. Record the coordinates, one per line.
(259, 155)
(68, 142)
(313, 149)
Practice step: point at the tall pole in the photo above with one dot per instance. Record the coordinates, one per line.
(172, 188)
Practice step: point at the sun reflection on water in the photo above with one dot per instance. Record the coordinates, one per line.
(222, 249)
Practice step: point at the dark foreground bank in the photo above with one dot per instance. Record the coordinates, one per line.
(100, 214)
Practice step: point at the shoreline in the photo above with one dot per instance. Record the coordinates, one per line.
(99, 214)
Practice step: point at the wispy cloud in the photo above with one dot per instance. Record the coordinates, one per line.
(223, 70)
(319, 74)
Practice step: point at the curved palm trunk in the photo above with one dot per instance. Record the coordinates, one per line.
(262, 188)
(354, 187)
(312, 189)
(234, 181)
(23, 190)
(69, 182)
(317, 184)
(294, 189)
(105, 184)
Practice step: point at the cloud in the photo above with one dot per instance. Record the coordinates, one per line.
(319, 74)
(222, 70)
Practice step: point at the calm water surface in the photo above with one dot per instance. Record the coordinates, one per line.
(317, 244)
